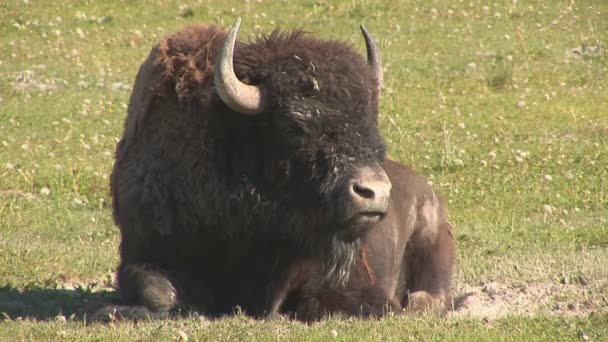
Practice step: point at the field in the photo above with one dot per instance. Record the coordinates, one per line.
(502, 105)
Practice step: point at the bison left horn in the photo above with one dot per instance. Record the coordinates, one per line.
(241, 97)
(373, 57)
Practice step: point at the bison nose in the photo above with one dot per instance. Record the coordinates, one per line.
(370, 191)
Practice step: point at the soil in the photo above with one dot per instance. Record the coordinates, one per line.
(486, 301)
(494, 300)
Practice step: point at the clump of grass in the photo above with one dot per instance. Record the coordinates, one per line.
(500, 74)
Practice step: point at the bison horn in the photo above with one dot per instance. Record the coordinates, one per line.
(243, 98)
(373, 57)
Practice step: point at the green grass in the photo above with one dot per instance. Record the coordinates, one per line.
(486, 100)
(393, 329)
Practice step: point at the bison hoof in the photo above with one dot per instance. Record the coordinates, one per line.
(112, 313)
(424, 302)
(160, 295)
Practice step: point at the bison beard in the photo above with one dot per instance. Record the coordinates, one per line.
(254, 175)
(340, 258)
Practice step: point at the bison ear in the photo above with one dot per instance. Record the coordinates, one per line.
(373, 58)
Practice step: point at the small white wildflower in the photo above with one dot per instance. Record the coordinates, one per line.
(492, 155)
(548, 178)
(462, 125)
(80, 33)
(519, 159)
(117, 86)
(333, 333)
(547, 208)
(483, 163)
(45, 191)
(521, 104)
(77, 201)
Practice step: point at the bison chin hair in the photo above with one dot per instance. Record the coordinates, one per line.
(339, 260)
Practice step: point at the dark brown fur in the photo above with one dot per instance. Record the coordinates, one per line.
(218, 210)
(399, 262)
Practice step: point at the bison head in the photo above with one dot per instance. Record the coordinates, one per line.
(314, 108)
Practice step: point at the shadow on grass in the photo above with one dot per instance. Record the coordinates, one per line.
(49, 304)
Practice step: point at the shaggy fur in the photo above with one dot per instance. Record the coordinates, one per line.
(217, 209)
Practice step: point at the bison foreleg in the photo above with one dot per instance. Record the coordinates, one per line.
(429, 260)
(159, 290)
(316, 303)
(147, 286)
(292, 278)
(146, 291)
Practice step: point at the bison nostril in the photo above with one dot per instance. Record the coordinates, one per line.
(368, 192)
(363, 191)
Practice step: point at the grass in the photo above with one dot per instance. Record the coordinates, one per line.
(488, 100)
(241, 328)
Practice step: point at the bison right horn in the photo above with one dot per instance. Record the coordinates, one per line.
(373, 57)
(243, 98)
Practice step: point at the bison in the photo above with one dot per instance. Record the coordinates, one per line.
(254, 175)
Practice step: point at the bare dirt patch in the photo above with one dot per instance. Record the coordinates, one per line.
(494, 300)
(487, 300)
